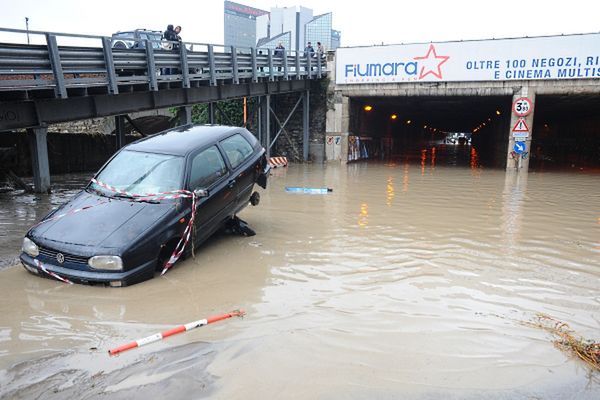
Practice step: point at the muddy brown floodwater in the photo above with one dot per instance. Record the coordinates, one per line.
(407, 281)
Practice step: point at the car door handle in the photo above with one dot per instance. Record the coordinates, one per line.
(231, 184)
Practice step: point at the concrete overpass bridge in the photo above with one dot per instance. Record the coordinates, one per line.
(415, 93)
(68, 77)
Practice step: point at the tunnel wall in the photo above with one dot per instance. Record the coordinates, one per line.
(566, 143)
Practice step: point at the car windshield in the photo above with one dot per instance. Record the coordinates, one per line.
(142, 173)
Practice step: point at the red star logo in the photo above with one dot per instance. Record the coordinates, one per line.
(432, 63)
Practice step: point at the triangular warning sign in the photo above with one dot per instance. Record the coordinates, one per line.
(520, 126)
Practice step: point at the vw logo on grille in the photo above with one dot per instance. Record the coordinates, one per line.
(60, 258)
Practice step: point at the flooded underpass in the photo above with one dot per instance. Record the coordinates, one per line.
(411, 279)
(564, 136)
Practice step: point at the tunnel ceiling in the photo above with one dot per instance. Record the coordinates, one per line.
(452, 113)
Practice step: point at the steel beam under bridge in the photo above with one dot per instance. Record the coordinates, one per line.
(40, 112)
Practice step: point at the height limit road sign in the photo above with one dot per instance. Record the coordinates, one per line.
(522, 106)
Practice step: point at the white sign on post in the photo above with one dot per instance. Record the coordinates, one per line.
(522, 107)
(540, 58)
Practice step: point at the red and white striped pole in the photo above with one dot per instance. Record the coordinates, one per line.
(181, 328)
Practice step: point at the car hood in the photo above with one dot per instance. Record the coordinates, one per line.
(101, 222)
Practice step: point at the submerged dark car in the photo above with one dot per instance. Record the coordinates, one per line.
(127, 222)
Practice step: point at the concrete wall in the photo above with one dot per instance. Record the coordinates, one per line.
(66, 152)
(102, 126)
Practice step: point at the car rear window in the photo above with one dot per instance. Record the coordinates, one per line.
(237, 149)
(207, 168)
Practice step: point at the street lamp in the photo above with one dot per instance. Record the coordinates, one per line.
(27, 28)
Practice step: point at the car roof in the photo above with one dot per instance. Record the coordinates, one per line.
(183, 139)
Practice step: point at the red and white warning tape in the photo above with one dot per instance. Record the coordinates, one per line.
(275, 162)
(184, 238)
(181, 328)
(175, 194)
(52, 274)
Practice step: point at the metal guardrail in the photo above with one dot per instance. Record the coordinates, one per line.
(25, 67)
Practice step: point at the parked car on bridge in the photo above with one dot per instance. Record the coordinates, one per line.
(127, 222)
(135, 39)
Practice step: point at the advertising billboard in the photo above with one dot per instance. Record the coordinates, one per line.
(550, 57)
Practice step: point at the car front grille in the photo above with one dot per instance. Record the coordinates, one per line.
(50, 253)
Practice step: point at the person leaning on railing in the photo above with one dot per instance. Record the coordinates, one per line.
(279, 52)
(169, 36)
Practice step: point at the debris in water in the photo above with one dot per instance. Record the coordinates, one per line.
(585, 349)
(308, 190)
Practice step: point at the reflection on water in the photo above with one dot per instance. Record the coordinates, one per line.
(390, 191)
(404, 293)
(19, 211)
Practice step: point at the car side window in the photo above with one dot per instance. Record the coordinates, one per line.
(237, 149)
(207, 168)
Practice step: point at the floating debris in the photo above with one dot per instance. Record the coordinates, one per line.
(178, 329)
(568, 341)
(308, 190)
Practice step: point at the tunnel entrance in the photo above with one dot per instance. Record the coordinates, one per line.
(473, 131)
(566, 133)
(451, 130)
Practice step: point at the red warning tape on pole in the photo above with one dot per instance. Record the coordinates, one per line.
(181, 328)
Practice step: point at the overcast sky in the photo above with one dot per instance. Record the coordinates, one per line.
(361, 22)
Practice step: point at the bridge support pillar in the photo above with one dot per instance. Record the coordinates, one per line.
(266, 107)
(337, 123)
(120, 131)
(38, 143)
(264, 123)
(211, 113)
(305, 124)
(184, 114)
(514, 161)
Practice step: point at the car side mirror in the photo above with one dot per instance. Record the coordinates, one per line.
(201, 192)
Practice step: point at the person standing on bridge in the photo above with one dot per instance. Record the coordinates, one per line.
(170, 36)
(177, 37)
(320, 49)
(309, 51)
(279, 50)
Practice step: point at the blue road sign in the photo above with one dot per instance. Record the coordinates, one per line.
(520, 147)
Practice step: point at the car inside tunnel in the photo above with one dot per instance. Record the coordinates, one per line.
(474, 130)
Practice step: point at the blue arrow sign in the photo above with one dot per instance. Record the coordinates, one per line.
(520, 147)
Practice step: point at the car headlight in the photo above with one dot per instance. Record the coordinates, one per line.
(113, 263)
(30, 248)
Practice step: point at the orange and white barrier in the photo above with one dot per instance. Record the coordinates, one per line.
(181, 328)
(275, 162)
